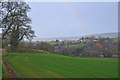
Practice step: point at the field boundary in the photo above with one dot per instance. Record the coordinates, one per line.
(10, 70)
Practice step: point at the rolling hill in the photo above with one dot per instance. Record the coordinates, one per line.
(110, 35)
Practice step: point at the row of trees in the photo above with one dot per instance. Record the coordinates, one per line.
(36, 45)
(93, 47)
(104, 47)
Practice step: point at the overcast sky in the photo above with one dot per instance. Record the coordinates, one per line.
(63, 19)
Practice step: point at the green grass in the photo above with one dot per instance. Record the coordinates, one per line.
(0, 66)
(38, 50)
(75, 45)
(59, 66)
(4, 75)
(53, 43)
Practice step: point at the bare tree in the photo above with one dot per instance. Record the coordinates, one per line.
(15, 22)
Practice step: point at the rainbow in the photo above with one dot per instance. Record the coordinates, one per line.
(76, 17)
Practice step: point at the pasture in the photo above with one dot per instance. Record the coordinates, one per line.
(59, 66)
(3, 72)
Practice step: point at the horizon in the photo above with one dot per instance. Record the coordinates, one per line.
(82, 35)
(77, 37)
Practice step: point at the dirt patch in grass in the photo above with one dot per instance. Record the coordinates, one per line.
(9, 68)
(9, 72)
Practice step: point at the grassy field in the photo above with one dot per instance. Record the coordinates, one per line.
(75, 45)
(38, 50)
(59, 66)
(4, 75)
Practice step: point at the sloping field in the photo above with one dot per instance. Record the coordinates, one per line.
(59, 66)
(3, 72)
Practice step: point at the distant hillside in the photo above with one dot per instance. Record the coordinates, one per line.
(110, 35)
(57, 38)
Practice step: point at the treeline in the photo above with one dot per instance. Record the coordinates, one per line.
(84, 47)
(90, 47)
(32, 47)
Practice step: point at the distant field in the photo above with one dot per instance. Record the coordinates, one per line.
(75, 45)
(38, 50)
(53, 43)
(59, 66)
